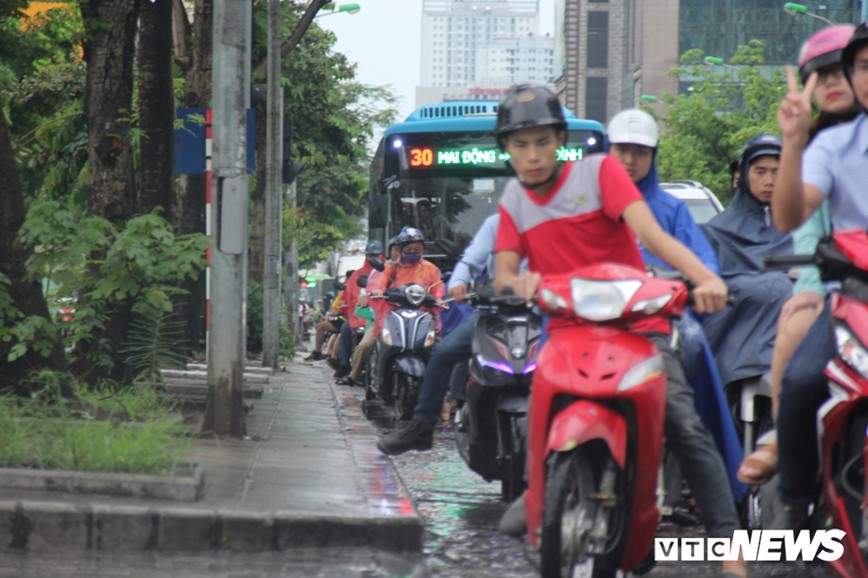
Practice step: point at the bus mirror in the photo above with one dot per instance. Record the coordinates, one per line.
(378, 208)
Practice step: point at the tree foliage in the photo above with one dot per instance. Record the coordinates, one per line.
(707, 126)
(113, 255)
(333, 119)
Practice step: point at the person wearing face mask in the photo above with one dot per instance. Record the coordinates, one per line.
(355, 302)
(411, 267)
(742, 336)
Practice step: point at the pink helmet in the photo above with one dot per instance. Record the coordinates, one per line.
(823, 48)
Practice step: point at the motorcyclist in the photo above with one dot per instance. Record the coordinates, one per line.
(419, 433)
(633, 135)
(833, 168)
(334, 317)
(821, 53)
(411, 267)
(373, 250)
(561, 216)
(742, 336)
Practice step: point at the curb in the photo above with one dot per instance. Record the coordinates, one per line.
(40, 526)
(385, 517)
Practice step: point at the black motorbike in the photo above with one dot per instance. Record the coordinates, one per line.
(491, 425)
(399, 359)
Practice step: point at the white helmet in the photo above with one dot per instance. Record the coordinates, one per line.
(633, 126)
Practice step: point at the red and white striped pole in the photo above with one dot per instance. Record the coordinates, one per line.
(208, 226)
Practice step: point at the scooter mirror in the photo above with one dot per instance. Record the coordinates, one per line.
(362, 281)
(377, 264)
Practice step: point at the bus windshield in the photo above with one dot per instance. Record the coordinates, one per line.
(445, 177)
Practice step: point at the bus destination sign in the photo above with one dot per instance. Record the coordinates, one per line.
(425, 157)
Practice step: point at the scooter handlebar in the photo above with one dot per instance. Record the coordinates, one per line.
(788, 261)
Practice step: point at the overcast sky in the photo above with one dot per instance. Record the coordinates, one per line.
(384, 39)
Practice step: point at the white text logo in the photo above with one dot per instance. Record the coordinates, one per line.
(756, 546)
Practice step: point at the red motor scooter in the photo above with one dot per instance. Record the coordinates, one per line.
(596, 421)
(842, 420)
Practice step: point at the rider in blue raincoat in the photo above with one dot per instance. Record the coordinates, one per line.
(633, 135)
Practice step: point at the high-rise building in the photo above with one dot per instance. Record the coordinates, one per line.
(610, 52)
(477, 48)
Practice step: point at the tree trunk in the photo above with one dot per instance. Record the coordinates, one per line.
(156, 109)
(26, 293)
(194, 187)
(109, 49)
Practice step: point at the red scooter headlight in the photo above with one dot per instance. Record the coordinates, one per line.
(602, 300)
(851, 350)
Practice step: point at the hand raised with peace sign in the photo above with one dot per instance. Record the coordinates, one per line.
(794, 111)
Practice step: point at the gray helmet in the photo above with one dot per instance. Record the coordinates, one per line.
(374, 247)
(527, 106)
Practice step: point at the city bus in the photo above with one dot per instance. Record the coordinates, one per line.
(442, 172)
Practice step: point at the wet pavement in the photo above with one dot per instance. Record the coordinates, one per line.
(459, 511)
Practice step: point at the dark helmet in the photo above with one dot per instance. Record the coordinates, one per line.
(762, 145)
(848, 56)
(410, 235)
(393, 241)
(526, 106)
(374, 247)
(823, 48)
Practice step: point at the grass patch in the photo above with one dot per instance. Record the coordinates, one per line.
(132, 430)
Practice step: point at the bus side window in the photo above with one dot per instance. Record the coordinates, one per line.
(378, 208)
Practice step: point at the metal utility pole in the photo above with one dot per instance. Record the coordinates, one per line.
(224, 414)
(273, 195)
(292, 274)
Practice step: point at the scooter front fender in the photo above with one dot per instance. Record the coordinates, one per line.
(409, 363)
(586, 420)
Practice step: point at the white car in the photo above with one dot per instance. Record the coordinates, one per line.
(702, 203)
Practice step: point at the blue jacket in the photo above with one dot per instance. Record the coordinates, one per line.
(675, 218)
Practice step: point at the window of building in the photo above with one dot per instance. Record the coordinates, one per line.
(596, 93)
(598, 39)
(720, 27)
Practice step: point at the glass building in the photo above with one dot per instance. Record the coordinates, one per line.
(719, 27)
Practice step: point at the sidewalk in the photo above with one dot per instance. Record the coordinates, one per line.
(309, 476)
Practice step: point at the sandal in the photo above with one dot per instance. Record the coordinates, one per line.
(347, 380)
(764, 462)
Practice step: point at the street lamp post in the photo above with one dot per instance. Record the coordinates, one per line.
(224, 413)
(801, 9)
(715, 61)
(274, 181)
(273, 195)
(341, 8)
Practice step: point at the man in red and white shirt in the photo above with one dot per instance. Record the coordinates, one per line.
(561, 216)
